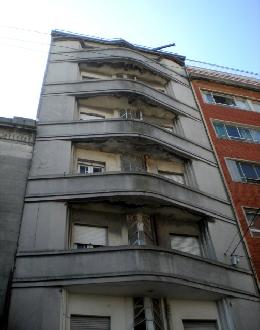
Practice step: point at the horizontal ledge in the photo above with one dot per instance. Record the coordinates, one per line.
(108, 249)
(60, 176)
(126, 128)
(112, 54)
(140, 262)
(110, 86)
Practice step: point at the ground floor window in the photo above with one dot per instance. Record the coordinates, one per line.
(148, 313)
(82, 322)
(199, 325)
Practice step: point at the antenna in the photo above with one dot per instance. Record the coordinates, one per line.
(165, 46)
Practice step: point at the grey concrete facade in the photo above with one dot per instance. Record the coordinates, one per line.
(16, 144)
(121, 143)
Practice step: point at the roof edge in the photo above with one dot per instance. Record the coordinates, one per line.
(224, 78)
(180, 59)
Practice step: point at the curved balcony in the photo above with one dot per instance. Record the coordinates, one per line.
(117, 86)
(131, 264)
(114, 184)
(83, 130)
(123, 54)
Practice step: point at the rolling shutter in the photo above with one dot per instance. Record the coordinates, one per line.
(89, 323)
(200, 325)
(89, 235)
(188, 244)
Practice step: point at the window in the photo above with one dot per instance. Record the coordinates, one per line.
(236, 133)
(253, 220)
(185, 243)
(90, 116)
(229, 100)
(256, 106)
(199, 325)
(177, 177)
(89, 322)
(249, 172)
(131, 114)
(243, 171)
(84, 236)
(148, 309)
(140, 230)
(90, 167)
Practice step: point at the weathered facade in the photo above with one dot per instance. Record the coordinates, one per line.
(126, 218)
(16, 143)
(232, 116)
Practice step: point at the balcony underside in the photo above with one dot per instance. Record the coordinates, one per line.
(123, 185)
(121, 86)
(124, 128)
(130, 268)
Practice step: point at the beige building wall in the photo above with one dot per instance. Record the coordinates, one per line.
(111, 160)
(119, 309)
(191, 310)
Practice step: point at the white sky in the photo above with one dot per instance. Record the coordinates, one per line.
(225, 32)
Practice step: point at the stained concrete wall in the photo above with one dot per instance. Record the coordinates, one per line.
(44, 227)
(189, 310)
(36, 308)
(15, 158)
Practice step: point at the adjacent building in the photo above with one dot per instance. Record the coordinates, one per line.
(16, 144)
(231, 108)
(126, 219)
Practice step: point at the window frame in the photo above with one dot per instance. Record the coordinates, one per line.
(86, 245)
(249, 211)
(243, 174)
(236, 99)
(188, 236)
(91, 114)
(164, 173)
(239, 128)
(90, 163)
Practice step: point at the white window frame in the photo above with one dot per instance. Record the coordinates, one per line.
(131, 114)
(244, 178)
(240, 138)
(235, 98)
(254, 211)
(90, 164)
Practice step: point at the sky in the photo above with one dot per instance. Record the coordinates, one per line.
(223, 32)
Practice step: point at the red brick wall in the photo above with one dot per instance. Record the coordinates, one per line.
(242, 194)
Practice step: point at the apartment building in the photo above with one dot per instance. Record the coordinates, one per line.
(231, 108)
(126, 218)
(16, 144)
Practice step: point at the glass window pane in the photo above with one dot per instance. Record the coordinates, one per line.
(233, 132)
(188, 244)
(245, 133)
(227, 100)
(208, 97)
(220, 129)
(97, 169)
(242, 103)
(248, 170)
(256, 135)
(83, 169)
(256, 106)
(257, 168)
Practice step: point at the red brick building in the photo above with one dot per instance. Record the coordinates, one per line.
(230, 105)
